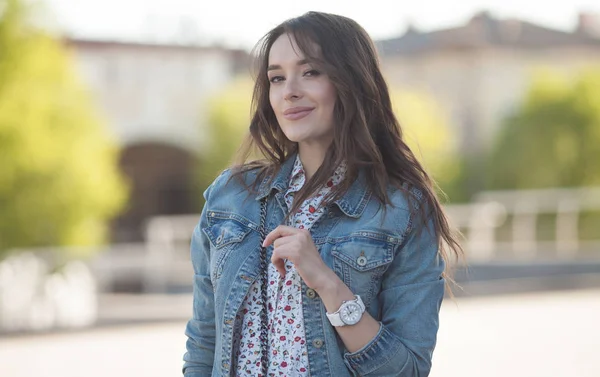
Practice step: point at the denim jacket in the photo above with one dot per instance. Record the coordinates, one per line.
(383, 257)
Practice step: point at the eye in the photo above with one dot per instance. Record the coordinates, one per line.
(276, 79)
(312, 73)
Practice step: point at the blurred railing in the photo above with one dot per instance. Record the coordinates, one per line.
(519, 214)
(497, 225)
(40, 291)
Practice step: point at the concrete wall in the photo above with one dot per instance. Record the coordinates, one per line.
(154, 93)
(479, 87)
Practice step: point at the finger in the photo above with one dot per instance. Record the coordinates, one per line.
(280, 231)
(279, 264)
(281, 241)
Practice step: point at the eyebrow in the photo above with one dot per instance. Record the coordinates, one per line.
(273, 67)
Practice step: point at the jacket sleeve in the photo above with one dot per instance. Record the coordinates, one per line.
(200, 330)
(411, 296)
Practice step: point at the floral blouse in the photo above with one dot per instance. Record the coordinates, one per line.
(288, 355)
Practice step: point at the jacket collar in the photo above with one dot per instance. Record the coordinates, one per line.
(352, 203)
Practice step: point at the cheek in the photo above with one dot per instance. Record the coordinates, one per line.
(329, 93)
(330, 98)
(272, 100)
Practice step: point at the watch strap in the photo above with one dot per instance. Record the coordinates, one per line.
(336, 319)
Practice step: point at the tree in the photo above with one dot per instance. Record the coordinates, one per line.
(229, 119)
(427, 133)
(59, 181)
(553, 139)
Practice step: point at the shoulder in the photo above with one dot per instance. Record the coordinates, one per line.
(409, 207)
(406, 198)
(230, 184)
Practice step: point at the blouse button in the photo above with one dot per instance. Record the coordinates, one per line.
(318, 343)
(361, 261)
(311, 293)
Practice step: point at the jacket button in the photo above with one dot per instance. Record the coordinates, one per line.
(311, 293)
(361, 261)
(225, 364)
(318, 343)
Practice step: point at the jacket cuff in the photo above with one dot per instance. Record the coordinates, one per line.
(384, 348)
(191, 373)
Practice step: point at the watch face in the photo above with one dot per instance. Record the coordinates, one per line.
(351, 313)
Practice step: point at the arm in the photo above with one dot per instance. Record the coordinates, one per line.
(411, 295)
(200, 329)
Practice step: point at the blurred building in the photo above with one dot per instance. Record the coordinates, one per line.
(154, 97)
(479, 71)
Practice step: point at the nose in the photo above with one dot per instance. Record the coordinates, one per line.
(292, 91)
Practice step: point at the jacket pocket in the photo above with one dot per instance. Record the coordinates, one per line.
(225, 231)
(361, 259)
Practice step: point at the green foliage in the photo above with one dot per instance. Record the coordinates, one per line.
(229, 118)
(59, 182)
(427, 133)
(553, 139)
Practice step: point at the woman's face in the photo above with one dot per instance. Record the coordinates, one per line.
(302, 97)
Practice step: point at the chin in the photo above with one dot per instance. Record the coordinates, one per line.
(298, 132)
(294, 137)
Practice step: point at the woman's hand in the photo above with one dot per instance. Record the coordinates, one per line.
(297, 246)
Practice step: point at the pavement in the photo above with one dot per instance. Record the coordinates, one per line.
(130, 309)
(538, 334)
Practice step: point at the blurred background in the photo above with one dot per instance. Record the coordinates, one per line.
(116, 115)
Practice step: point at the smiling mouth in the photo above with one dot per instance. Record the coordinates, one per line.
(297, 113)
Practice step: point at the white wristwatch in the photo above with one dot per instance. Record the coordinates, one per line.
(349, 313)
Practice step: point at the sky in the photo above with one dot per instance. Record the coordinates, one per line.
(241, 23)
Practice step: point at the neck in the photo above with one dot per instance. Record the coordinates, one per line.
(312, 157)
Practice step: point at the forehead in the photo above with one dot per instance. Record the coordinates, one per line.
(285, 49)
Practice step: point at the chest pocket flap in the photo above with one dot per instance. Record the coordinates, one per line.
(226, 228)
(365, 250)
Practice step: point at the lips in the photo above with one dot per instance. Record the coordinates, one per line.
(296, 113)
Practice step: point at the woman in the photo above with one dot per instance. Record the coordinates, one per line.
(326, 258)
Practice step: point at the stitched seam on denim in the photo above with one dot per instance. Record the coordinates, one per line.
(364, 201)
(413, 284)
(368, 267)
(367, 234)
(224, 215)
(223, 253)
(236, 239)
(327, 352)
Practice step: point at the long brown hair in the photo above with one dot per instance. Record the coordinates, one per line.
(367, 135)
